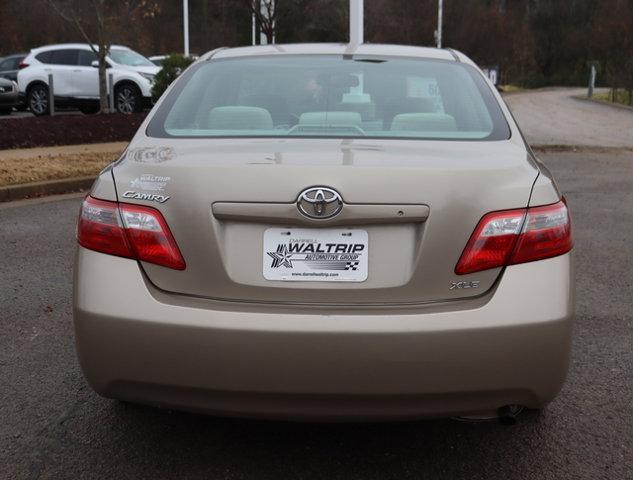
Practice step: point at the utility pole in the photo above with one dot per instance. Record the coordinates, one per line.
(253, 29)
(263, 40)
(356, 22)
(440, 14)
(185, 22)
(267, 17)
(264, 9)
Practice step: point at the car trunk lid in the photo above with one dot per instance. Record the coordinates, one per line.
(417, 202)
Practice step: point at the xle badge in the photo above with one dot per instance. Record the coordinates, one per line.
(462, 285)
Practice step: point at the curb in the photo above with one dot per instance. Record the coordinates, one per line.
(554, 148)
(602, 102)
(38, 189)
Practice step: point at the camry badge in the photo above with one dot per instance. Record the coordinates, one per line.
(151, 197)
(319, 203)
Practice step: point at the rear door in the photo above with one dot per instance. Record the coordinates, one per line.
(61, 65)
(85, 76)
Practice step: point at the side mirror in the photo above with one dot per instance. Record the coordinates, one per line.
(95, 64)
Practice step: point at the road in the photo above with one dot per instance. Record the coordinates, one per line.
(555, 116)
(54, 427)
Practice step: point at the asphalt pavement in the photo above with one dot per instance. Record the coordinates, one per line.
(54, 427)
(563, 116)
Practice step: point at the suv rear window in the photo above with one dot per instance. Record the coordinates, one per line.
(331, 96)
(44, 57)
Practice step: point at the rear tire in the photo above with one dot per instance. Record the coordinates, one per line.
(128, 98)
(37, 100)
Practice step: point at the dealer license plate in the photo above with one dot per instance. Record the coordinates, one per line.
(316, 254)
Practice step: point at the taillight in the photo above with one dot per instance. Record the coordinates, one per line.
(22, 65)
(127, 230)
(517, 236)
(546, 233)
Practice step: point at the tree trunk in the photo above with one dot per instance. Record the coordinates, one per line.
(104, 106)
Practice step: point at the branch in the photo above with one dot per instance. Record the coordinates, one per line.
(73, 19)
(267, 19)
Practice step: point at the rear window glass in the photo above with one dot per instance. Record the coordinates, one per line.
(64, 57)
(44, 57)
(10, 63)
(129, 58)
(331, 96)
(86, 57)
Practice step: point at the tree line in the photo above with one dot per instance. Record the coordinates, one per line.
(534, 42)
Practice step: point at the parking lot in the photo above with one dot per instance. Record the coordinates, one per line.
(55, 427)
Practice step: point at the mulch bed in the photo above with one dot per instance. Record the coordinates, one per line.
(30, 132)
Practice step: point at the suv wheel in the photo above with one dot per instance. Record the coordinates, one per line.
(38, 100)
(128, 99)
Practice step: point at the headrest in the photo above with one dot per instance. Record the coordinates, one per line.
(239, 118)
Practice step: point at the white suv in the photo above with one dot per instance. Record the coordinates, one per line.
(75, 73)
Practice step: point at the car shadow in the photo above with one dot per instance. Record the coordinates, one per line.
(445, 448)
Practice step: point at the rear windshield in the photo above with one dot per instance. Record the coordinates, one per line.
(331, 96)
(129, 57)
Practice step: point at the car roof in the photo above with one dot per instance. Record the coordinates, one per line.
(70, 45)
(339, 49)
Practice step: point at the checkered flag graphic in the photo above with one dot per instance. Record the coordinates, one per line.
(351, 265)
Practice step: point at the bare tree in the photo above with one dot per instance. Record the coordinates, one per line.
(266, 15)
(103, 16)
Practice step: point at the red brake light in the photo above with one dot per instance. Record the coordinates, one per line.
(546, 233)
(517, 236)
(127, 230)
(100, 228)
(22, 65)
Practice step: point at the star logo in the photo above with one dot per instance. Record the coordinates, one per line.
(282, 257)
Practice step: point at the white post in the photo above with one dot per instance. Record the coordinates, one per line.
(440, 14)
(51, 95)
(592, 81)
(356, 22)
(185, 21)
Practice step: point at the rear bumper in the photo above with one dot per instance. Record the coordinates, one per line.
(138, 344)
